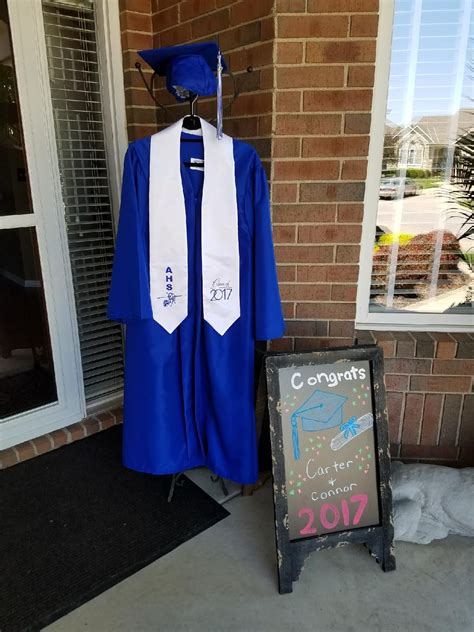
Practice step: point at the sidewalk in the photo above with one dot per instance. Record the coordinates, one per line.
(225, 580)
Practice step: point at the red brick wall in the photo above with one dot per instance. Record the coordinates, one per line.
(307, 107)
(325, 54)
(244, 30)
(137, 34)
(429, 394)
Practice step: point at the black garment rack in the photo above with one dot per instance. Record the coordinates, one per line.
(192, 122)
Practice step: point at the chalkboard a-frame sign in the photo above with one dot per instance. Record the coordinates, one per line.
(331, 461)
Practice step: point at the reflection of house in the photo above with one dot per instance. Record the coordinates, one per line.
(424, 144)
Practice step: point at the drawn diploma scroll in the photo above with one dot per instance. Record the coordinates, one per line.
(352, 428)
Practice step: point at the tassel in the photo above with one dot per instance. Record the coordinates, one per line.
(294, 436)
(219, 96)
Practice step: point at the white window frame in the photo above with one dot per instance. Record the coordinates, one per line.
(31, 65)
(386, 320)
(109, 46)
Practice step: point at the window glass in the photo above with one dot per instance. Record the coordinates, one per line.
(27, 378)
(73, 62)
(14, 189)
(423, 253)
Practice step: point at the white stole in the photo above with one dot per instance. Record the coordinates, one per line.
(219, 231)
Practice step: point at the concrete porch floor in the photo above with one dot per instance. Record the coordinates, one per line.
(224, 580)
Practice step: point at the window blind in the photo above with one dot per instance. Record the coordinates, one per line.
(73, 62)
(421, 261)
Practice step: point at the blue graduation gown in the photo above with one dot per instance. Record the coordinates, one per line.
(189, 395)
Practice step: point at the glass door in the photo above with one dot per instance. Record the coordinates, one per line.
(27, 379)
(40, 373)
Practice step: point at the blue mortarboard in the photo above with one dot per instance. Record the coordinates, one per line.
(189, 69)
(319, 412)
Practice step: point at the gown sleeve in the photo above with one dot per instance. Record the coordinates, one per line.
(269, 323)
(129, 296)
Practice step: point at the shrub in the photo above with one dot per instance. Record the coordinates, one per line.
(416, 173)
(392, 238)
(415, 260)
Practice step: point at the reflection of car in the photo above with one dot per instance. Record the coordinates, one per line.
(392, 188)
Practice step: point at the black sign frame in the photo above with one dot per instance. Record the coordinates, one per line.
(291, 554)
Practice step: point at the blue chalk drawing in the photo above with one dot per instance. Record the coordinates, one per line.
(319, 412)
(350, 427)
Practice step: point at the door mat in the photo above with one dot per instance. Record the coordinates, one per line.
(75, 522)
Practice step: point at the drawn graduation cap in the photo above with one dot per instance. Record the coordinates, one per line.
(189, 70)
(319, 412)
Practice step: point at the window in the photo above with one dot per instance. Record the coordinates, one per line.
(417, 259)
(76, 94)
(27, 367)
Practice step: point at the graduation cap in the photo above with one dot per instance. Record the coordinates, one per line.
(320, 411)
(189, 70)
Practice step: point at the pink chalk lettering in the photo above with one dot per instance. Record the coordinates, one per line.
(323, 516)
(345, 512)
(308, 529)
(362, 499)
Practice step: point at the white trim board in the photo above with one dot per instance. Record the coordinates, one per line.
(109, 48)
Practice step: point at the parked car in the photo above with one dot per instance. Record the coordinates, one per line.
(393, 188)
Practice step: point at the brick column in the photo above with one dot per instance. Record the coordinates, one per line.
(325, 53)
(137, 34)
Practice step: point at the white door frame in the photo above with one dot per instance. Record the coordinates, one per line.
(29, 51)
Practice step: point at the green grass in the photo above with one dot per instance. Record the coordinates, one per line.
(429, 183)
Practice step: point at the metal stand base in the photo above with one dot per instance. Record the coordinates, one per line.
(220, 480)
(174, 481)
